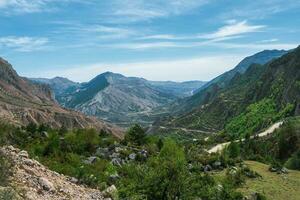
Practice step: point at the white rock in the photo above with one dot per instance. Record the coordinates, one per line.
(46, 184)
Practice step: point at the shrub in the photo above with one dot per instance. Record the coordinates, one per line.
(136, 135)
(294, 161)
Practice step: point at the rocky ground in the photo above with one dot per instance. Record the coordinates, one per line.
(31, 180)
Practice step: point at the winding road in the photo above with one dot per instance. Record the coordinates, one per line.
(271, 129)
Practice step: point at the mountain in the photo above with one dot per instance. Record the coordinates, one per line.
(250, 99)
(210, 90)
(58, 84)
(179, 89)
(262, 57)
(119, 99)
(23, 101)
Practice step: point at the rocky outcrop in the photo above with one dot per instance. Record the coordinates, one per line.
(23, 102)
(33, 181)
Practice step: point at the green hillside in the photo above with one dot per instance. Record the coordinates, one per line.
(251, 101)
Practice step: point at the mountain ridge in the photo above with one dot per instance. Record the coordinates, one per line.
(23, 101)
(120, 99)
(272, 86)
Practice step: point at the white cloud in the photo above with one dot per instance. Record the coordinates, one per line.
(30, 6)
(23, 44)
(199, 68)
(97, 31)
(212, 43)
(232, 29)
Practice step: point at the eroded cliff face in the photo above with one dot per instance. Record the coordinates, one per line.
(23, 102)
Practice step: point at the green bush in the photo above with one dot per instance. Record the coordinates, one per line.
(136, 135)
(294, 161)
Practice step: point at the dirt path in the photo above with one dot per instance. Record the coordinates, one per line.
(271, 129)
(186, 130)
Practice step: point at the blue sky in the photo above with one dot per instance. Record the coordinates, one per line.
(156, 39)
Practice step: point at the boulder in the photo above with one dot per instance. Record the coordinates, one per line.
(284, 170)
(272, 169)
(23, 154)
(90, 160)
(217, 165)
(116, 161)
(115, 155)
(102, 152)
(132, 156)
(207, 168)
(73, 180)
(111, 192)
(46, 184)
(144, 153)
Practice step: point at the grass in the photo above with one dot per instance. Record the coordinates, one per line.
(272, 185)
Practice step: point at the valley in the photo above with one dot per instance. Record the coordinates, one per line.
(149, 100)
(217, 136)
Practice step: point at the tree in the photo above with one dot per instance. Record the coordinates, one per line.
(136, 135)
(234, 149)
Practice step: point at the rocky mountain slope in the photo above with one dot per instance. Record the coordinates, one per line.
(119, 99)
(23, 102)
(275, 84)
(33, 181)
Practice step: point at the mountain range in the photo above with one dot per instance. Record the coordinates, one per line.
(119, 99)
(23, 102)
(251, 95)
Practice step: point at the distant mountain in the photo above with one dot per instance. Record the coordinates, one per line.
(251, 99)
(211, 89)
(23, 101)
(179, 89)
(58, 84)
(119, 99)
(262, 58)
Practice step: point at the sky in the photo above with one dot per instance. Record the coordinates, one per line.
(175, 40)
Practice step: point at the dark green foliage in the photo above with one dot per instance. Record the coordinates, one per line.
(136, 135)
(294, 161)
(233, 150)
(160, 143)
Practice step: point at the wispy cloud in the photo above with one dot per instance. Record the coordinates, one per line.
(97, 31)
(9, 7)
(232, 29)
(23, 44)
